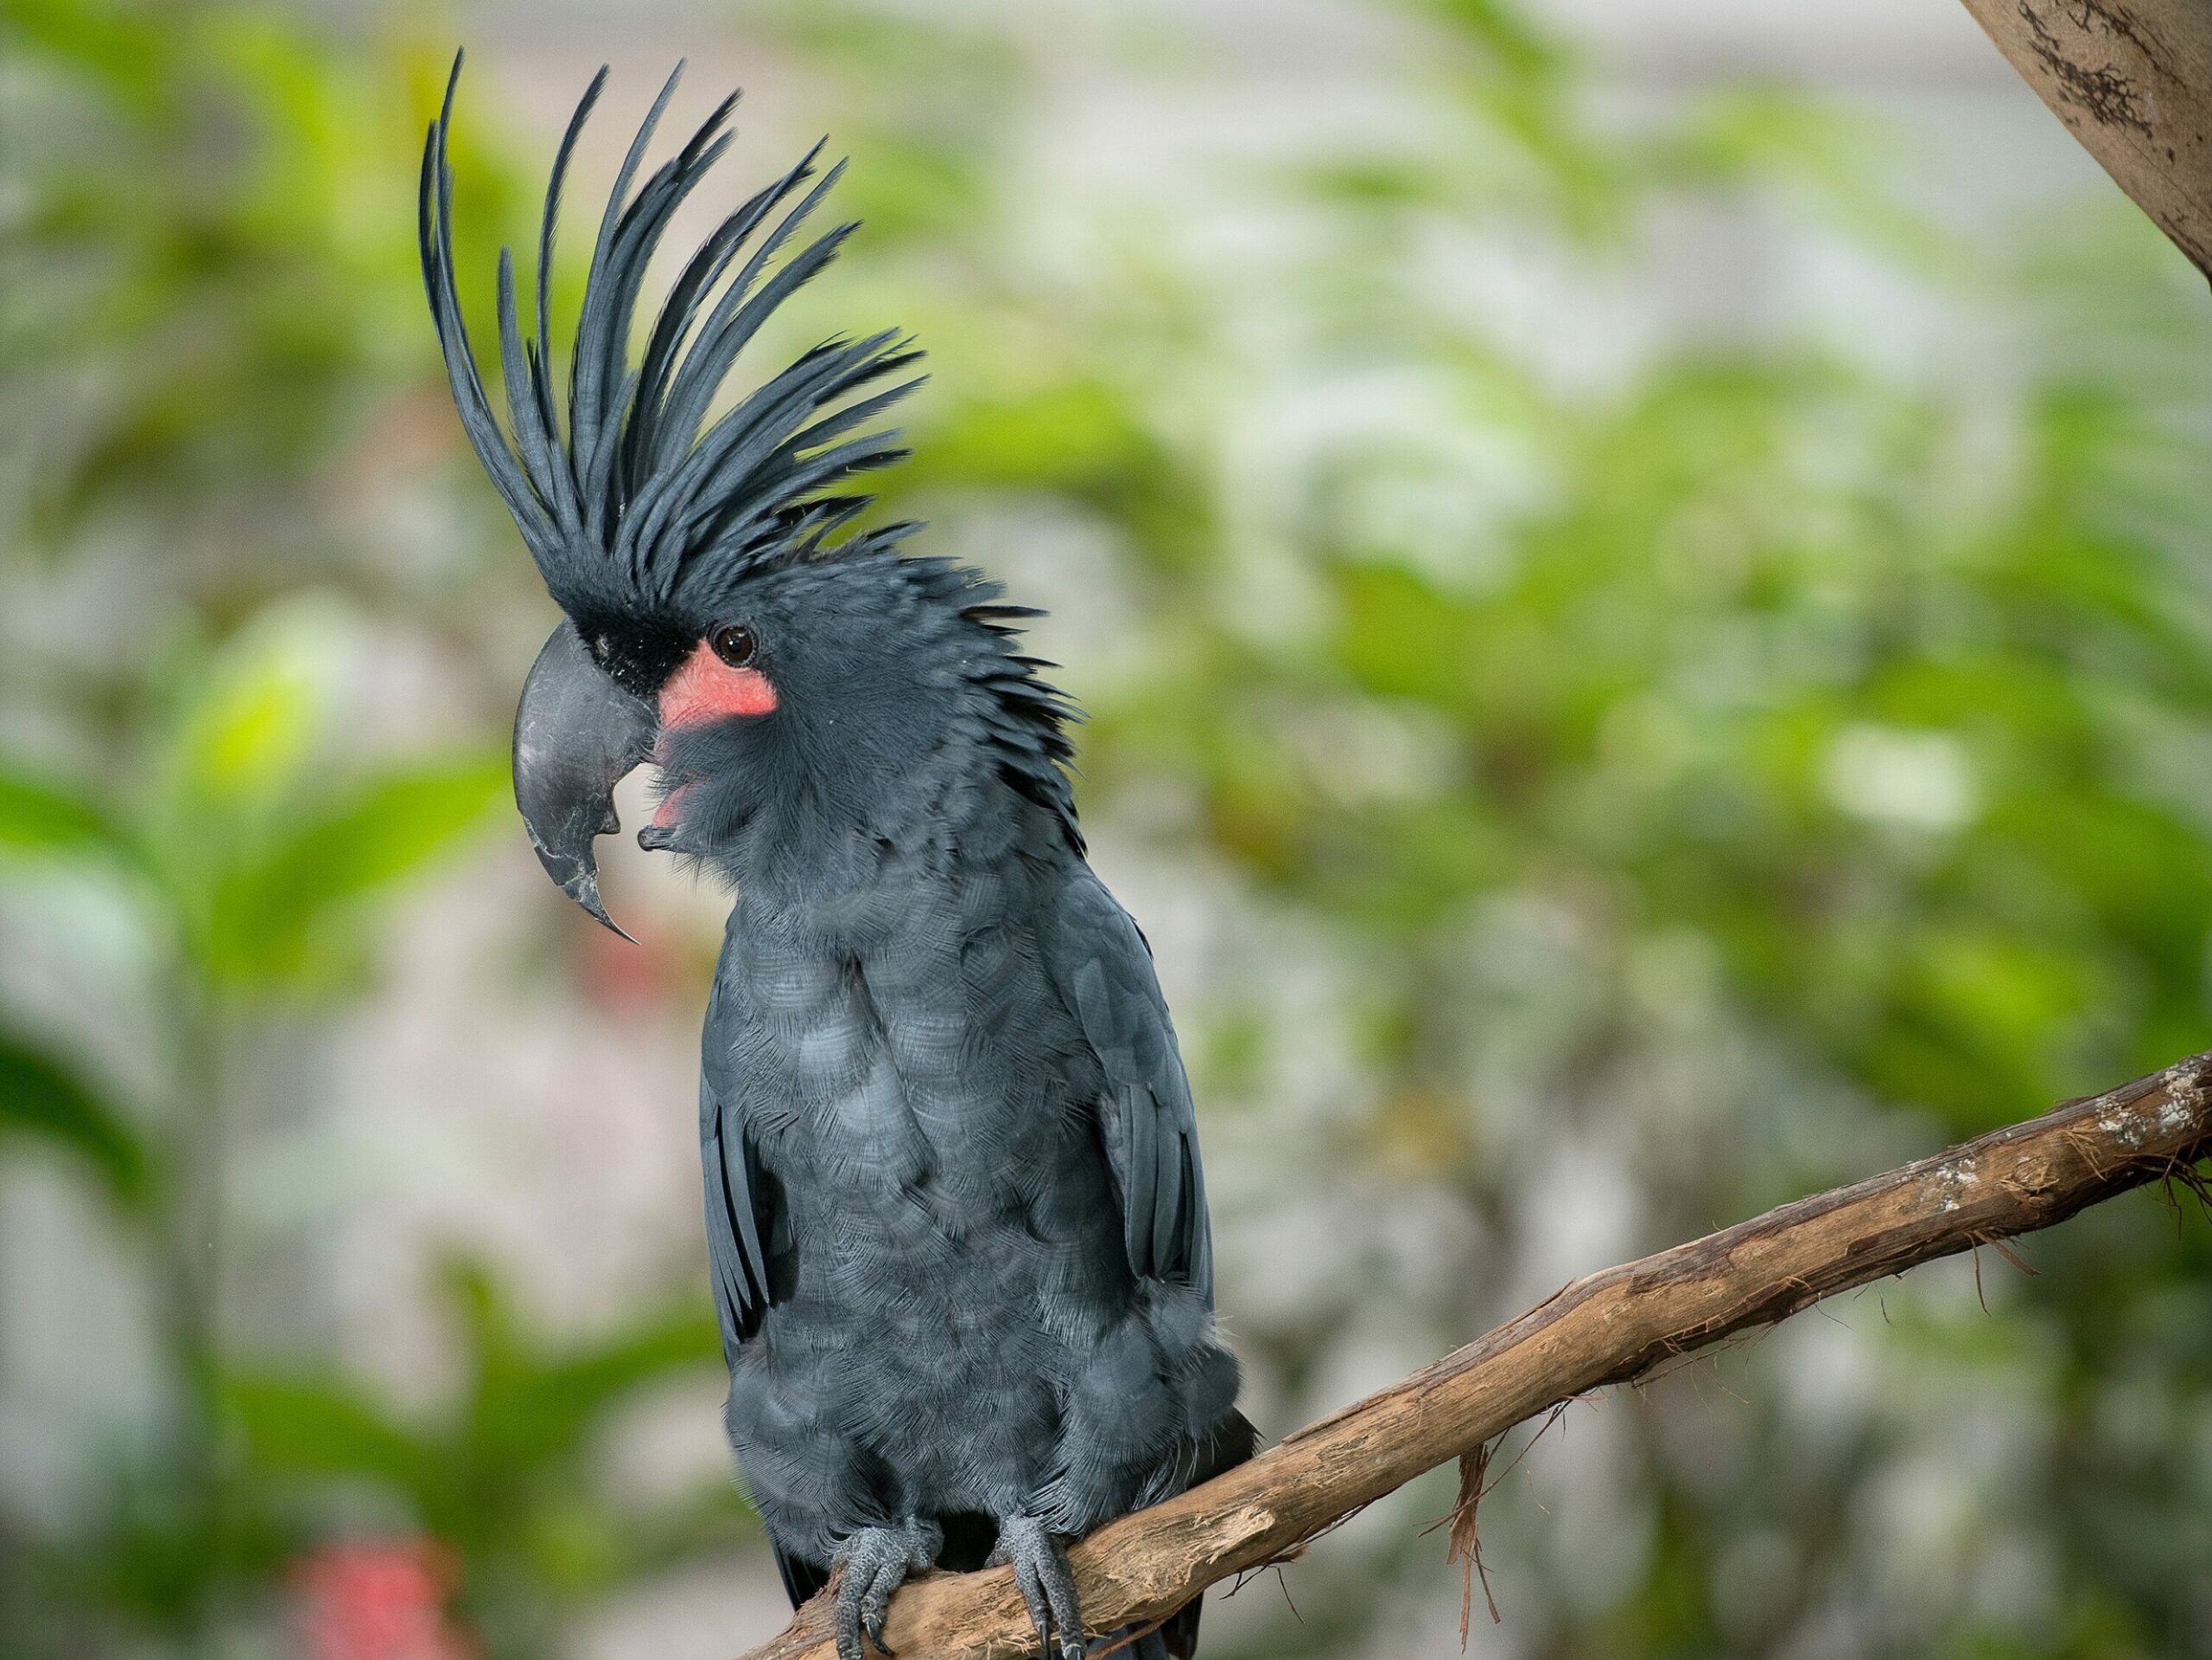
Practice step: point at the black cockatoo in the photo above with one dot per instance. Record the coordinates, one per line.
(954, 1217)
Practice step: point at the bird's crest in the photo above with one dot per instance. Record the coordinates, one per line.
(633, 513)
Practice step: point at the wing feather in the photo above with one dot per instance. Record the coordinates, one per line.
(1149, 1127)
(737, 1262)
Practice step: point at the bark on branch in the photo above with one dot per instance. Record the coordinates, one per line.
(2132, 81)
(1605, 1329)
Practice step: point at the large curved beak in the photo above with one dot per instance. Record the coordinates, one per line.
(577, 734)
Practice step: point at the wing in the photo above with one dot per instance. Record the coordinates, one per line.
(1103, 966)
(739, 1220)
(736, 1219)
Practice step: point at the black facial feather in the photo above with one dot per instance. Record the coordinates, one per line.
(635, 515)
(637, 656)
(653, 525)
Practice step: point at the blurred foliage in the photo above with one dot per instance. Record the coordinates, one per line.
(507, 1478)
(1766, 733)
(1728, 745)
(40, 1097)
(210, 307)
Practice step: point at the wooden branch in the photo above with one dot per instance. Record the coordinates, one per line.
(2132, 81)
(1605, 1329)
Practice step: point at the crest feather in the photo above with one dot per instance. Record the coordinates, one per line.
(634, 509)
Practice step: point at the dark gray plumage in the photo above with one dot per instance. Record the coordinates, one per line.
(955, 1208)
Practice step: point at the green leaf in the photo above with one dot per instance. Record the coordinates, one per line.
(271, 918)
(43, 816)
(40, 1098)
(578, 1388)
(303, 1425)
(253, 722)
(110, 44)
(538, 1408)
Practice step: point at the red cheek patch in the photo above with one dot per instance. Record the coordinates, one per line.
(705, 690)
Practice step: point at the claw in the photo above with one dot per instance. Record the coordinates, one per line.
(872, 1564)
(875, 1608)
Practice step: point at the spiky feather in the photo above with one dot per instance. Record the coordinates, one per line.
(641, 507)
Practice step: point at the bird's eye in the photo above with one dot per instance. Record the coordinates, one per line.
(734, 644)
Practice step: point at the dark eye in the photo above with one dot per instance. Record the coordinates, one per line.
(735, 644)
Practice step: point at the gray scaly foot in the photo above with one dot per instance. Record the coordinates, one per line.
(1040, 1568)
(872, 1564)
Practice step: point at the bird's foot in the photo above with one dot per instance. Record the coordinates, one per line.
(1040, 1568)
(871, 1565)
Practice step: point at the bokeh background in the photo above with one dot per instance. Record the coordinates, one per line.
(1639, 569)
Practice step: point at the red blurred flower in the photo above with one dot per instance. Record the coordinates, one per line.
(382, 1600)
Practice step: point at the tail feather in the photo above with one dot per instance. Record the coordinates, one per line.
(1178, 1635)
(801, 1578)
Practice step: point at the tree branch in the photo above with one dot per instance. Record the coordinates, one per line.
(1603, 1329)
(2132, 81)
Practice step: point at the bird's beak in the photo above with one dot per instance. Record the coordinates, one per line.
(577, 734)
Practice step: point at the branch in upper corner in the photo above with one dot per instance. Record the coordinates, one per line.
(1605, 1329)
(2132, 81)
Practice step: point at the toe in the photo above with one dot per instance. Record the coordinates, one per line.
(1032, 1596)
(1059, 1593)
(872, 1565)
(875, 1606)
(1040, 1568)
(849, 1616)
